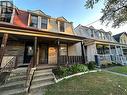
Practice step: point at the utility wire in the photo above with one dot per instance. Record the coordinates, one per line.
(92, 22)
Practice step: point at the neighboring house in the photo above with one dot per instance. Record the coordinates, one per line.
(121, 37)
(100, 46)
(35, 35)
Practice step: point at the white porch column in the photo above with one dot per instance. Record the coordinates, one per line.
(121, 50)
(110, 49)
(116, 50)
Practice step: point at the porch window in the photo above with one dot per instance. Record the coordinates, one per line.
(34, 21)
(6, 10)
(113, 49)
(44, 22)
(103, 49)
(119, 50)
(63, 49)
(30, 51)
(62, 28)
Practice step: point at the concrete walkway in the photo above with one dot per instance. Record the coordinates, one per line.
(115, 73)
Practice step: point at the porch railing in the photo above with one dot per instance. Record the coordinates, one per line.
(29, 75)
(121, 59)
(9, 65)
(70, 59)
(105, 57)
(7, 68)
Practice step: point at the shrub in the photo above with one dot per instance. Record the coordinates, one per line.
(106, 64)
(91, 65)
(65, 71)
(61, 71)
(78, 68)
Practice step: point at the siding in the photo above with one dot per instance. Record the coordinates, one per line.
(75, 50)
(91, 51)
(16, 48)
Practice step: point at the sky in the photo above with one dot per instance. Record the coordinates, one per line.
(73, 10)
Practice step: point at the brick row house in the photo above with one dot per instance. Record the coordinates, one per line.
(34, 35)
(100, 46)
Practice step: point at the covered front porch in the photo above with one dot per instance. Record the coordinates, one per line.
(50, 49)
(111, 53)
(105, 51)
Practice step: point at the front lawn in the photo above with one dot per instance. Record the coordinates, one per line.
(120, 69)
(99, 83)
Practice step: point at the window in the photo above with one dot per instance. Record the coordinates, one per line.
(92, 33)
(6, 10)
(30, 51)
(102, 49)
(44, 23)
(63, 49)
(34, 21)
(103, 35)
(62, 27)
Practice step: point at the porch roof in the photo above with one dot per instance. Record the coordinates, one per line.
(28, 31)
(88, 41)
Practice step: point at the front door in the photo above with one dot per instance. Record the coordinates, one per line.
(43, 54)
(52, 55)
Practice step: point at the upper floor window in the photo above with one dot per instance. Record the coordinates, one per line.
(44, 22)
(100, 35)
(6, 10)
(62, 28)
(92, 33)
(34, 21)
(103, 35)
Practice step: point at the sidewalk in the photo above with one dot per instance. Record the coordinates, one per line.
(115, 73)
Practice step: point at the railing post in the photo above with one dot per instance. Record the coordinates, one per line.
(67, 56)
(58, 54)
(82, 50)
(35, 52)
(3, 47)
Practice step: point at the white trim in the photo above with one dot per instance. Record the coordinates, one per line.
(77, 74)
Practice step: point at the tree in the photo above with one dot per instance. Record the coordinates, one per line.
(114, 12)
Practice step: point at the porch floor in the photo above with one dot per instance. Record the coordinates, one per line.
(46, 66)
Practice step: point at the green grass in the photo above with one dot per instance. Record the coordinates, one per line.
(99, 83)
(120, 69)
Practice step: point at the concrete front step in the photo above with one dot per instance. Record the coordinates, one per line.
(47, 74)
(40, 85)
(16, 78)
(12, 85)
(20, 91)
(42, 67)
(42, 81)
(15, 84)
(43, 71)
